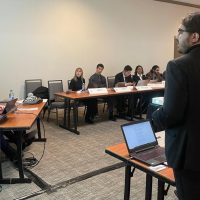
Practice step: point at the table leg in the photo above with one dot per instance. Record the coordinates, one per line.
(161, 190)
(68, 112)
(75, 116)
(21, 178)
(131, 106)
(19, 155)
(148, 193)
(39, 139)
(128, 175)
(67, 125)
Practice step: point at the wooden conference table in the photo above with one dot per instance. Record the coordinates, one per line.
(20, 121)
(166, 175)
(76, 97)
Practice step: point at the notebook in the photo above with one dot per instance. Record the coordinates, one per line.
(142, 143)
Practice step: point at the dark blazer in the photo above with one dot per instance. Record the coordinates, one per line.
(120, 78)
(136, 78)
(179, 115)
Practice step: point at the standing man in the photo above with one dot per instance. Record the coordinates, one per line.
(179, 115)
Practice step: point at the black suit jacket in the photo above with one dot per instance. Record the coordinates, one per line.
(120, 78)
(179, 115)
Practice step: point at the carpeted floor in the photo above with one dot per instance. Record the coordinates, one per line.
(76, 166)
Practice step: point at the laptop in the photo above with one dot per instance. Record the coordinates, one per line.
(121, 84)
(142, 143)
(9, 107)
(142, 82)
(3, 118)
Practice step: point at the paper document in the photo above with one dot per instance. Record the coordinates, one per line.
(157, 167)
(27, 109)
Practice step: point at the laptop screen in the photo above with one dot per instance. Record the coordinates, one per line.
(10, 106)
(138, 135)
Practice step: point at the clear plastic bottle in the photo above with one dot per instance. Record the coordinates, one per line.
(11, 95)
(83, 86)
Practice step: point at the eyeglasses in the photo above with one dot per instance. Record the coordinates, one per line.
(180, 31)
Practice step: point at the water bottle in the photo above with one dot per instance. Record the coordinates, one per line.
(83, 86)
(11, 95)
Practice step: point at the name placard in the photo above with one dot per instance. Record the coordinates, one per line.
(140, 88)
(156, 85)
(123, 89)
(97, 90)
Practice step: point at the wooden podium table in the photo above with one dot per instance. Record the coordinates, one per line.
(166, 175)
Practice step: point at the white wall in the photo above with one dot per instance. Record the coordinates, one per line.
(48, 39)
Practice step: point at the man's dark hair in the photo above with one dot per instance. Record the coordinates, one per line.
(100, 65)
(192, 22)
(127, 68)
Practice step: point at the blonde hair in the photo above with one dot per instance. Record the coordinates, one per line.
(77, 69)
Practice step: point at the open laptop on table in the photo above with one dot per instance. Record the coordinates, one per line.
(142, 82)
(142, 143)
(9, 107)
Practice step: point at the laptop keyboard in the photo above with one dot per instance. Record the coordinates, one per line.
(156, 153)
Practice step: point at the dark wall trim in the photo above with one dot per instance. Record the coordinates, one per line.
(180, 3)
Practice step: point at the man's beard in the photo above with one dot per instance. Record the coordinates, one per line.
(183, 46)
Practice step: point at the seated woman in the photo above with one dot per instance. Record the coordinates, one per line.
(141, 100)
(78, 83)
(154, 75)
(139, 74)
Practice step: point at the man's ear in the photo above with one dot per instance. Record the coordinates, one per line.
(195, 37)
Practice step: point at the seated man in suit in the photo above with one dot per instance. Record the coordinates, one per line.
(123, 79)
(97, 80)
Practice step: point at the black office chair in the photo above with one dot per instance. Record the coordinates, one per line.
(54, 102)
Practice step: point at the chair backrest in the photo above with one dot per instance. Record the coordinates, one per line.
(111, 81)
(54, 86)
(68, 83)
(31, 85)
